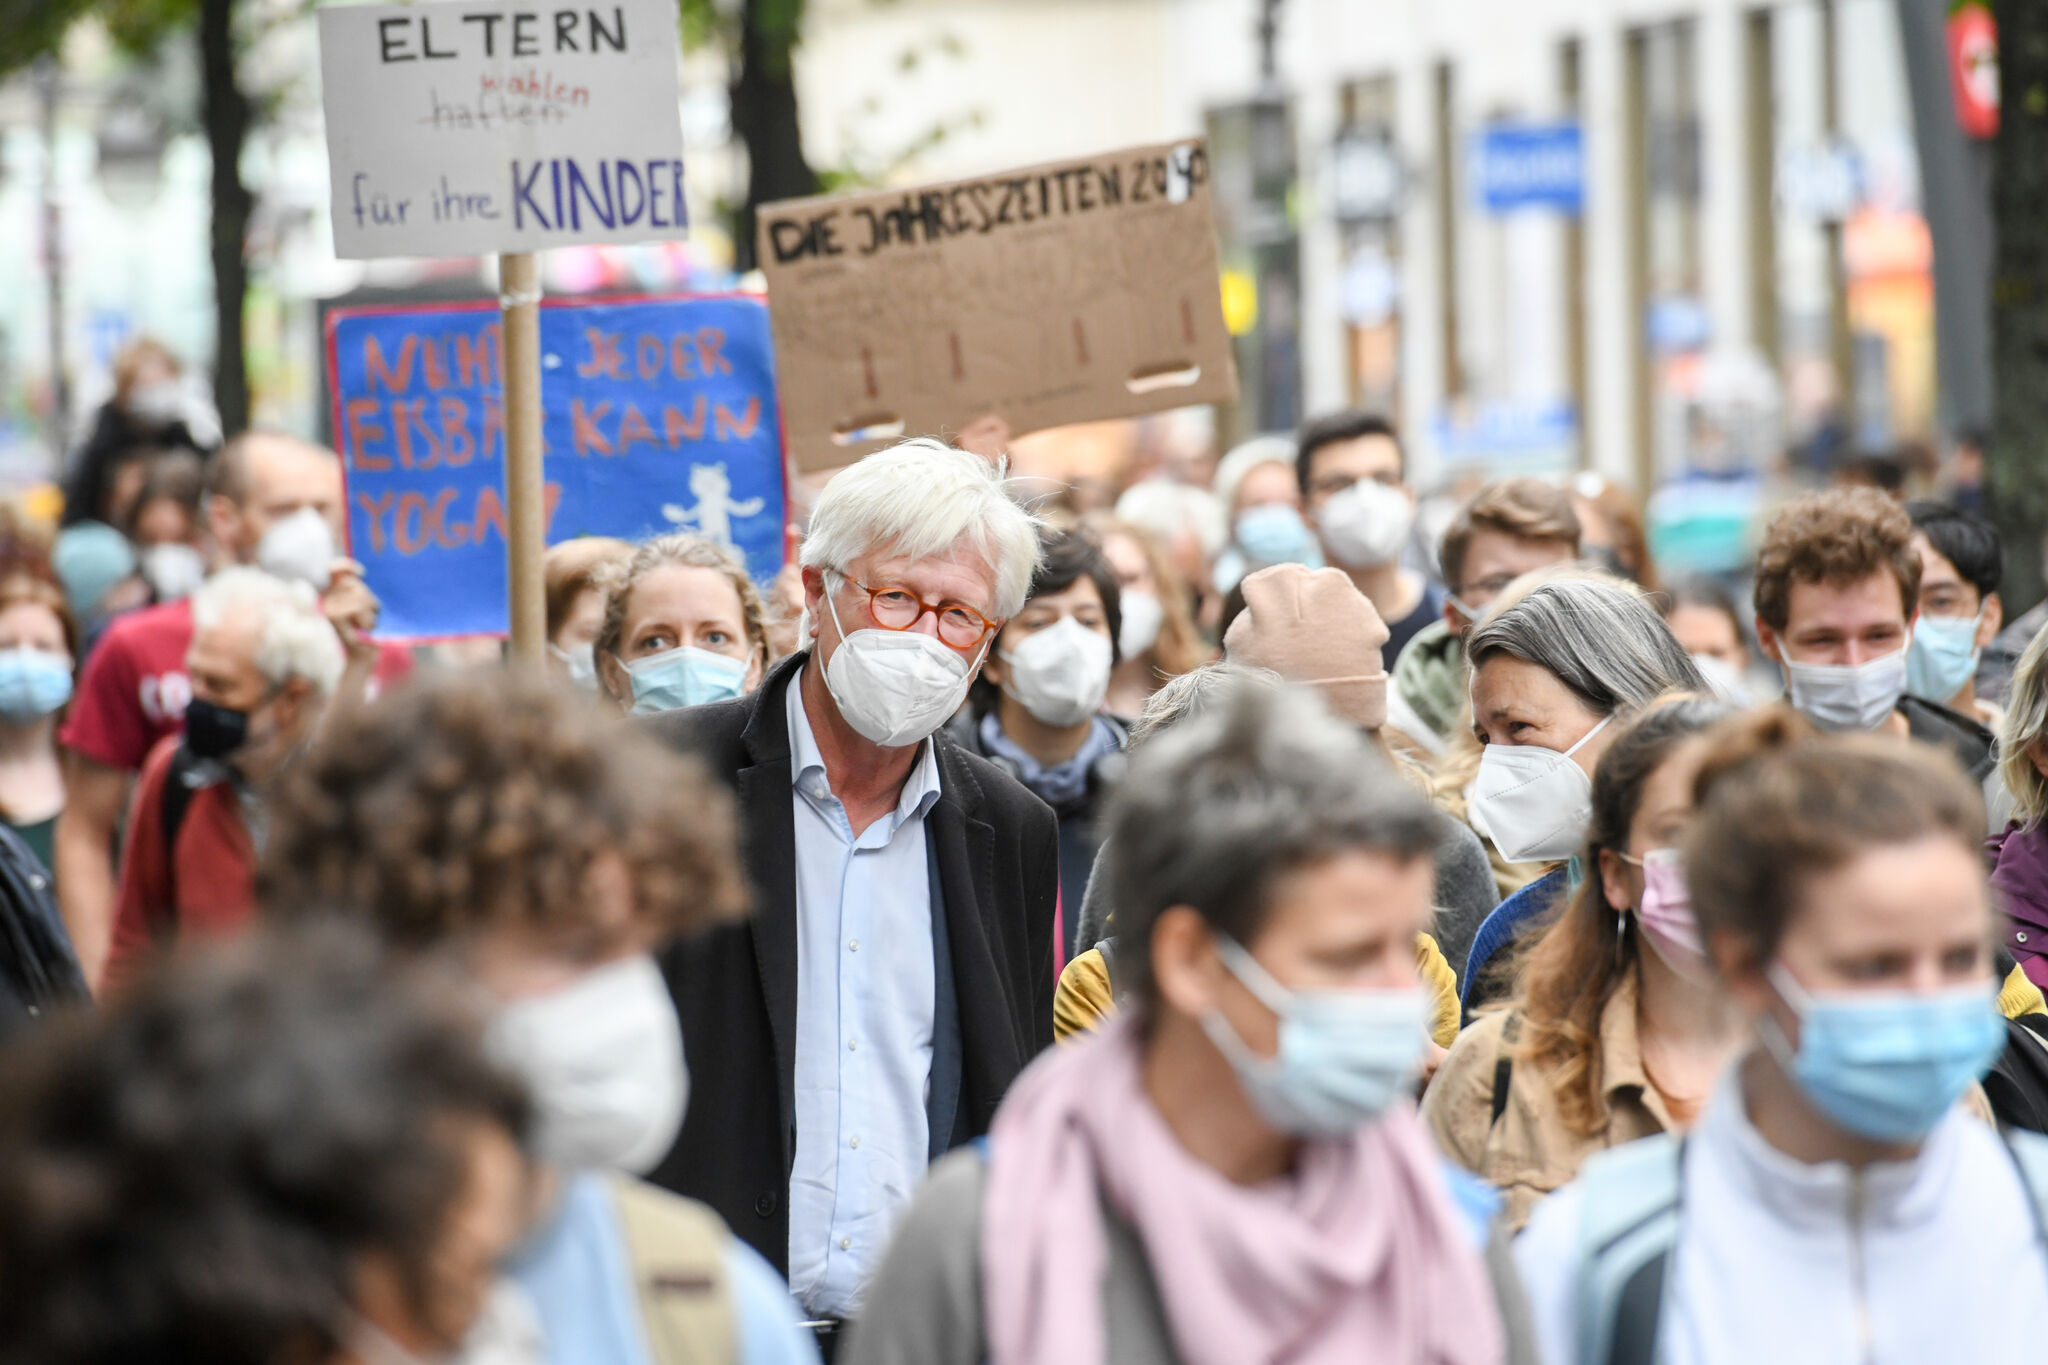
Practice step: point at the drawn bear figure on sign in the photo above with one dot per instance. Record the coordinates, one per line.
(713, 515)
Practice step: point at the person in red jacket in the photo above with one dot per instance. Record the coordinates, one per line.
(263, 662)
(273, 501)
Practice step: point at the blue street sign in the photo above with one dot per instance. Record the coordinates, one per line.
(1529, 165)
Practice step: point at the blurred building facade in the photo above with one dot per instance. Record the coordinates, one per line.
(1543, 233)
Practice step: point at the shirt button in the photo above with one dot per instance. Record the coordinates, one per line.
(853, 1143)
(853, 1044)
(846, 1244)
(854, 946)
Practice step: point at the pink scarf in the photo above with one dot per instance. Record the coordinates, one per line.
(1357, 1255)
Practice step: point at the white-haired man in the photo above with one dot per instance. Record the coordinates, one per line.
(273, 501)
(263, 662)
(897, 971)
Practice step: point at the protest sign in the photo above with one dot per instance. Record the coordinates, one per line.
(460, 128)
(660, 415)
(1060, 293)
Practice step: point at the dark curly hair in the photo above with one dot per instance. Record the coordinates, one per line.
(199, 1172)
(481, 800)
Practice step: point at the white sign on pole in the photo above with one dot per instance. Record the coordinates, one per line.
(455, 129)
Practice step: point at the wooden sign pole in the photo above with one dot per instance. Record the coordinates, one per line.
(526, 538)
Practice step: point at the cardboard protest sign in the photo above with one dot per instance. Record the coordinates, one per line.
(659, 415)
(1061, 293)
(462, 128)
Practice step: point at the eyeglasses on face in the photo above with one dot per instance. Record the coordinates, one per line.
(897, 608)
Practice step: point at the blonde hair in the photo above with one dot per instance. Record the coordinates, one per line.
(2025, 724)
(682, 549)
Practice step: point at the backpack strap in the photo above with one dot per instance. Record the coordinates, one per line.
(1504, 1065)
(184, 778)
(182, 781)
(677, 1248)
(1628, 1227)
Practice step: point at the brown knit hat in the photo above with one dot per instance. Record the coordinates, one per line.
(1313, 626)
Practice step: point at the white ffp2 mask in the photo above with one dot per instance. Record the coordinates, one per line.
(173, 570)
(1059, 674)
(1365, 525)
(895, 687)
(1143, 615)
(298, 548)
(1533, 802)
(1848, 697)
(603, 1059)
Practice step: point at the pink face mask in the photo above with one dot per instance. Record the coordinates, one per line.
(1666, 917)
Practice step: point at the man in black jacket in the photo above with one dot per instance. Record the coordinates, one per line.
(897, 971)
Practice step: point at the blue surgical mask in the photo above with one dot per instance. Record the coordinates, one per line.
(33, 684)
(1885, 1066)
(1344, 1058)
(684, 676)
(1274, 533)
(1943, 657)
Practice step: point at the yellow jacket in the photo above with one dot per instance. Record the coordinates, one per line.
(1085, 996)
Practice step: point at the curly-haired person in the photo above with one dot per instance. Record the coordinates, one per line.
(1837, 597)
(516, 829)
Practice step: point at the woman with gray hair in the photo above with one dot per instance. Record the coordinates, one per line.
(1232, 1170)
(1550, 675)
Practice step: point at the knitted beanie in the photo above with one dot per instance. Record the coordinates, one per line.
(1314, 627)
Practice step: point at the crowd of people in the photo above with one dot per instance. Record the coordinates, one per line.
(1238, 926)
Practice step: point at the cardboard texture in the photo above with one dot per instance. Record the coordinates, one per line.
(1068, 292)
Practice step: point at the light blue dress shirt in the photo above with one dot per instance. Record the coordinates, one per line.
(864, 1007)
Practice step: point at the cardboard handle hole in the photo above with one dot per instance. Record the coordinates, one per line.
(1179, 374)
(878, 426)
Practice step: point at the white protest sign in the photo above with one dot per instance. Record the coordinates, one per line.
(461, 128)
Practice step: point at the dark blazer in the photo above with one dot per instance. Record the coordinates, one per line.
(996, 850)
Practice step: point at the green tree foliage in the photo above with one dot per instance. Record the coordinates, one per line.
(31, 28)
(759, 38)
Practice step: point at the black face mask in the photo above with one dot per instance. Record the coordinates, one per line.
(213, 730)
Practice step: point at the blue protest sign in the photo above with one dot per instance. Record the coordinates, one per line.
(1529, 165)
(659, 415)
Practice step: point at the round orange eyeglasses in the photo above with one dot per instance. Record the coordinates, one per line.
(960, 626)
